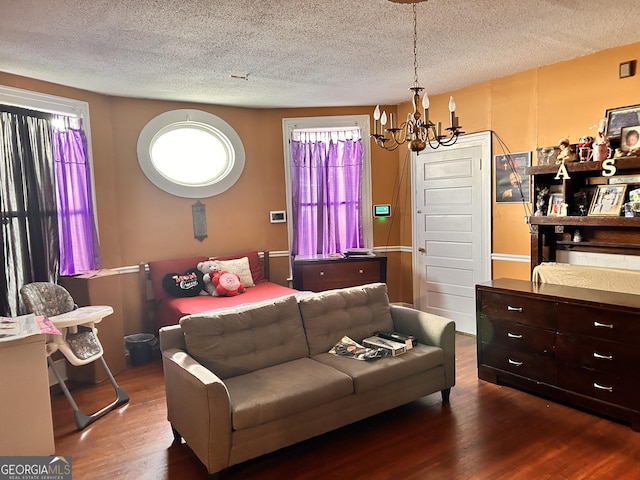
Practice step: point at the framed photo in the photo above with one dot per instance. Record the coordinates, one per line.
(556, 208)
(618, 118)
(630, 138)
(608, 200)
(547, 155)
(513, 185)
(582, 200)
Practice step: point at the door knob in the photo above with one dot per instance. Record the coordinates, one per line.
(422, 250)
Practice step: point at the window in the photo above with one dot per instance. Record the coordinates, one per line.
(190, 153)
(47, 203)
(328, 210)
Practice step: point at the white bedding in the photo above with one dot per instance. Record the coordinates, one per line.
(599, 278)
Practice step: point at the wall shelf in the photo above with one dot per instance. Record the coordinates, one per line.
(600, 234)
(576, 221)
(622, 164)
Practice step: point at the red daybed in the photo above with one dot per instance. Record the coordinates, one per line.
(169, 309)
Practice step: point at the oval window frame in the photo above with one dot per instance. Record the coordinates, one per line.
(169, 121)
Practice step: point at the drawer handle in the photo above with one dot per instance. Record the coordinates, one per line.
(322, 274)
(513, 362)
(602, 357)
(514, 309)
(602, 387)
(361, 271)
(514, 335)
(603, 325)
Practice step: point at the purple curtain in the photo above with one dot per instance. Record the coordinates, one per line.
(79, 249)
(326, 196)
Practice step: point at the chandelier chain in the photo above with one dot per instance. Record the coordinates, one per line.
(415, 47)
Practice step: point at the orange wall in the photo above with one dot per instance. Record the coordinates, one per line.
(139, 222)
(537, 108)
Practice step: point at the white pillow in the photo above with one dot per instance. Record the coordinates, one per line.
(239, 266)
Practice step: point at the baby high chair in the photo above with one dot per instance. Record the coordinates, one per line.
(79, 340)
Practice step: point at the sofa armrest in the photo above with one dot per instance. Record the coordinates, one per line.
(198, 408)
(172, 336)
(429, 329)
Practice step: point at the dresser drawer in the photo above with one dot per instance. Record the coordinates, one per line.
(598, 354)
(318, 275)
(516, 336)
(536, 367)
(366, 272)
(604, 386)
(604, 323)
(516, 308)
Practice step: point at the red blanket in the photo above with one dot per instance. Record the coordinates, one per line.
(171, 309)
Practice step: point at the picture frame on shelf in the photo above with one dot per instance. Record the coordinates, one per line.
(512, 185)
(630, 138)
(620, 117)
(608, 200)
(582, 201)
(547, 155)
(557, 207)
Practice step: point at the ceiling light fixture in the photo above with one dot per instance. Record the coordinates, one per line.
(417, 131)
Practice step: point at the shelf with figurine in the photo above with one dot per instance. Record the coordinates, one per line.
(623, 163)
(617, 139)
(588, 193)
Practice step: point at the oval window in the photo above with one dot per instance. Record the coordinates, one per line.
(190, 153)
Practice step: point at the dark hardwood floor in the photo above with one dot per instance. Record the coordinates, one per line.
(486, 432)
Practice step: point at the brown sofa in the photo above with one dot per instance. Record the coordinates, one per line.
(256, 378)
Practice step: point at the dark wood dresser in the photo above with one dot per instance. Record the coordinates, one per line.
(320, 273)
(579, 346)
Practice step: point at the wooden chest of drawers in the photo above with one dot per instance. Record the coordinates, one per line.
(579, 346)
(317, 274)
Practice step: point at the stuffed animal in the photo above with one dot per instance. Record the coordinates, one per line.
(208, 269)
(219, 282)
(227, 284)
(567, 153)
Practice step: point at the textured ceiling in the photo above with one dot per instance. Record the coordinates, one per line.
(297, 53)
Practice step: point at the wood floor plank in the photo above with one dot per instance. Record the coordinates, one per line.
(486, 432)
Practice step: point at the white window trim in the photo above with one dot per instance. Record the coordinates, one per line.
(337, 122)
(159, 123)
(43, 102)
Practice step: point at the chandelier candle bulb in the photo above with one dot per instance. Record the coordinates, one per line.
(376, 117)
(391, 121)
(425, 106)
(452, 109)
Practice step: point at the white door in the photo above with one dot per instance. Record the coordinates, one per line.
(452, 228)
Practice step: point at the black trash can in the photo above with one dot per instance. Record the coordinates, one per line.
(139, 347)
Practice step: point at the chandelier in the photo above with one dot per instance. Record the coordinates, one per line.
(418, 131)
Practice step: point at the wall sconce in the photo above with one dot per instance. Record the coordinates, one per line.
(627, 69)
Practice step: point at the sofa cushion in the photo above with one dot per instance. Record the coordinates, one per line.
(283, 390)
(369, 375)
(240, 340)
(357, 312)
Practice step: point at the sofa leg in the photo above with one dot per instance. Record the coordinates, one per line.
(445, 395)
(177, 438)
